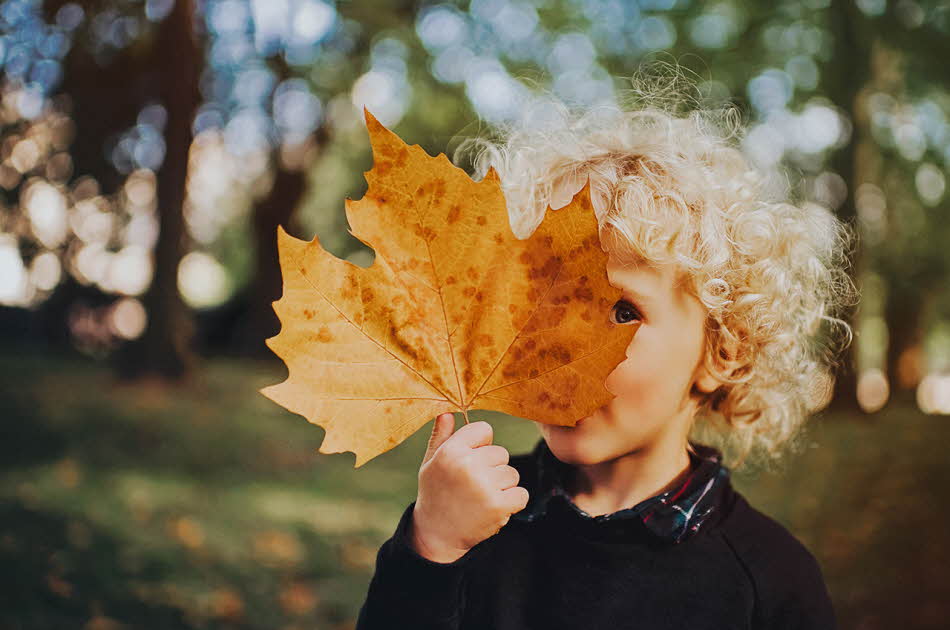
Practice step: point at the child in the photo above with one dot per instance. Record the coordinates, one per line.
(623, 521)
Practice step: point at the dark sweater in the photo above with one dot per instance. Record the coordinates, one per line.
(694, 558)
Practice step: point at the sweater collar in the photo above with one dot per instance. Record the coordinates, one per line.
(672, 516)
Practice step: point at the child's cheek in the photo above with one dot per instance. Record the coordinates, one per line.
(641, 386)
(624, 379)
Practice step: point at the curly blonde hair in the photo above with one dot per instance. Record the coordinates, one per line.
(670, 183)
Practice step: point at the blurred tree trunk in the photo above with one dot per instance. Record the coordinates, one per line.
(164, 350)
(277, 208)
(243, 324)
(905, 312)
(843, 80)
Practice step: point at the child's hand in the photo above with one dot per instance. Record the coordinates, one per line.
(467, 492)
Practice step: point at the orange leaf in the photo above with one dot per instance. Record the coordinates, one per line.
(454, 314)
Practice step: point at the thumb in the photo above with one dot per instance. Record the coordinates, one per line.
(442, 430)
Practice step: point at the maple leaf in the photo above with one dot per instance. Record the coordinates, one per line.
(454, 314)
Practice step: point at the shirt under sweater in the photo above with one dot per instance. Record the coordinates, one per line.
(696, 557)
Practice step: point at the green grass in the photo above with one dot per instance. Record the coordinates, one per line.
(210, 507)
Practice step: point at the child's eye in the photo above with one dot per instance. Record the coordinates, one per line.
(625, 312)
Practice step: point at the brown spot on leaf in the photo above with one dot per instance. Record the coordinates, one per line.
(367, 295)
(549, 318)
(438, 190)
(439, 383)
(324, 335)
(562, 354)
(469, 291)
(533, 373)
(480, 219)
(424, 232)
(548, 269)
(454, 213)
(450, 280)
(349, 287)
(407, 346)
(584, 294)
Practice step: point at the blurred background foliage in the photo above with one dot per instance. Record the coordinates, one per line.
(150, 148)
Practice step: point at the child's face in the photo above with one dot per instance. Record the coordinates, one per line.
(652, 386)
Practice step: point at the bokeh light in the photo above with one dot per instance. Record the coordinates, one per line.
(873, 390)
(202, 280)
(933, 394)
(46, 271)
(128, 318)
(14, 281)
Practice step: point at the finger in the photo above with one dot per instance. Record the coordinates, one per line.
(491, 455)
(504, 477)
(474, 434)
(515, 498)
(501, 526)
(442, 429)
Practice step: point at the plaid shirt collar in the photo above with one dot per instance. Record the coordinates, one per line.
(672, 516)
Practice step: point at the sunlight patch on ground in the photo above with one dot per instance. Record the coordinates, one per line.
(325, 515)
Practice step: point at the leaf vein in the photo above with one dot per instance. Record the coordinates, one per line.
(365, 334)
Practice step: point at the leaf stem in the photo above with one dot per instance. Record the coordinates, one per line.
(465, 415)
